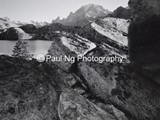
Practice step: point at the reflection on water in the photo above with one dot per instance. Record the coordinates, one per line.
(35, 47)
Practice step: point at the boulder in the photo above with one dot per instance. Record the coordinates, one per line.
(72, 106)
(144, 35)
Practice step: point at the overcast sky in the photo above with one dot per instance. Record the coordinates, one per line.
(47, 10)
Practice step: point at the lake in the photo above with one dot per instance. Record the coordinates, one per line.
(35, 47)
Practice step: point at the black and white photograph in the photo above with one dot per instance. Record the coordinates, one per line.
(79, 59)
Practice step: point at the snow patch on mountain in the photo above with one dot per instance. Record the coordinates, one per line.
(78, 44)
(6, 23)
(24, 34)
(113, 28)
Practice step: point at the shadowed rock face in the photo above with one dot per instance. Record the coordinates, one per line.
(29, 28)
(144, 7)
(144, 37)
(144, 40)
(122, 12)
(144, 47)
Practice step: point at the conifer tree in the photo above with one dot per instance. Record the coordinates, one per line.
(21, 50)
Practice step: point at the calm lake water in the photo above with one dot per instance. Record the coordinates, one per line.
(35, 47)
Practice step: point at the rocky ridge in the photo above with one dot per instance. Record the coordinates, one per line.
(122, 12)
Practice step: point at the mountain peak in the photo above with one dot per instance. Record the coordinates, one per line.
(93, 11)
(59, 18)
(93, 7)
(84, 15)
(90, 6)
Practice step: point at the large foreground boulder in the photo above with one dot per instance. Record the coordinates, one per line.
(144, 37)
